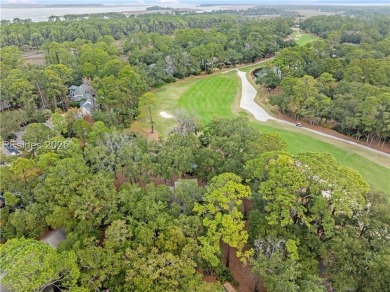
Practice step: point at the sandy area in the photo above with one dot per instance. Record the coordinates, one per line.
(166, 115)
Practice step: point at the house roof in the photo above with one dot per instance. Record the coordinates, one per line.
(80, 90)
(76, 98)
(88, 96)
(79, 93)
(87, 105)
(83, 95)
(84, 87)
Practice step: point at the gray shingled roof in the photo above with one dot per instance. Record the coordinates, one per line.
(88, 105)
(80, 93)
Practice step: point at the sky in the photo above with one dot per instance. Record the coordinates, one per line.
(318, 2)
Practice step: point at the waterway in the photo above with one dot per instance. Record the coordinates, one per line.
(259, 72)
(42, 13)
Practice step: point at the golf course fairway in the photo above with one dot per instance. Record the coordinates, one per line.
(218, 95)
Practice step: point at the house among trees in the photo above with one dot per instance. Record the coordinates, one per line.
(84, 97)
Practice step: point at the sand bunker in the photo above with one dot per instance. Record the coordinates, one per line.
(166, 115)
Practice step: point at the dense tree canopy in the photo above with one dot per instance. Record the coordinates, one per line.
(119, 227)
(122, 58)
(343, 77)
(308, 208)
(153, 215)
(31, 265)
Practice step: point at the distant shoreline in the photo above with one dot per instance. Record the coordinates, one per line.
(24, 6)
(42, 12)
(64, 5)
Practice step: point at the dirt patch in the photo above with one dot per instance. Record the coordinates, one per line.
(34, 57)
(149, 135)
(210, 279)
(242, 273)
(263, 100)
(139, 128)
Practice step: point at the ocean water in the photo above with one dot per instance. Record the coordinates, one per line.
(43, 13)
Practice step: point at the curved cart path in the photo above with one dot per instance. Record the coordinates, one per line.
(248, 103)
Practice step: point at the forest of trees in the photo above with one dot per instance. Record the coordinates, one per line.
(127, 231)
(34, 34)
(158, 49)
(154, 215)
(344, 77)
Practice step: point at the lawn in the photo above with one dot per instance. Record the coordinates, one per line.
(217, 95)
(254, 66)
(167, 97)
(376, 175)
(203, 97)
(305, 38)
(210, 97)
(302, 38)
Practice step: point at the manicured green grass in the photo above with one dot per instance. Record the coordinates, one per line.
(216, 96)
(211, 96)
(305, 39)
(302, 38)
(254, 66)
(377, 176)
(167, 97)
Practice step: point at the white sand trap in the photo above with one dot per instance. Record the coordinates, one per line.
(166, 115)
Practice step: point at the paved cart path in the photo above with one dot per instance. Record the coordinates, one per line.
(248, 103)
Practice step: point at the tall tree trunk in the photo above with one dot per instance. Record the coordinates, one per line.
(43, 102)
(333, 211)
(151, 119)
(57, 58)
(256, 289)
(363, 230)
(228, 257)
